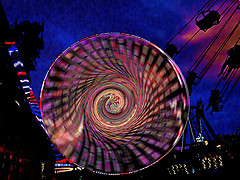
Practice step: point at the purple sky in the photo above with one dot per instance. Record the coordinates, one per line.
(157, 21)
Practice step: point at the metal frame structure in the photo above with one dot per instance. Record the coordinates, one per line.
(198, 126)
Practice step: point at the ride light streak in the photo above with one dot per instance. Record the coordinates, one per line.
(14, 54)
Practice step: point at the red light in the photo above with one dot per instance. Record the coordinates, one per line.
(10, 43)
(65, 161)
(22, 74)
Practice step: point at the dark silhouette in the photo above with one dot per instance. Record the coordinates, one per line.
(191, 77)
(232, 61)
(171, 50)
(210, 18)
(214, 101)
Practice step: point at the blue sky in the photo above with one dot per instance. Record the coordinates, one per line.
(67, 21)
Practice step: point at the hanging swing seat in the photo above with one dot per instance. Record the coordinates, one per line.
(210, 18)
(215, 101)
(171, 50)
(191, 80)
(234, 57)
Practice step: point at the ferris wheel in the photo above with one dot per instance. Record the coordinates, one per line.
(114, 103)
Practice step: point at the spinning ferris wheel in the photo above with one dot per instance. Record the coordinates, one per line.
(114, 103)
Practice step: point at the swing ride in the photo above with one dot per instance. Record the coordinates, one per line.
(205, 19)
(198, 131)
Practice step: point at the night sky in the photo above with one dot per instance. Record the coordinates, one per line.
(67, 21)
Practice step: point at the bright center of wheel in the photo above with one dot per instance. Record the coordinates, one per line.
(114, 103)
